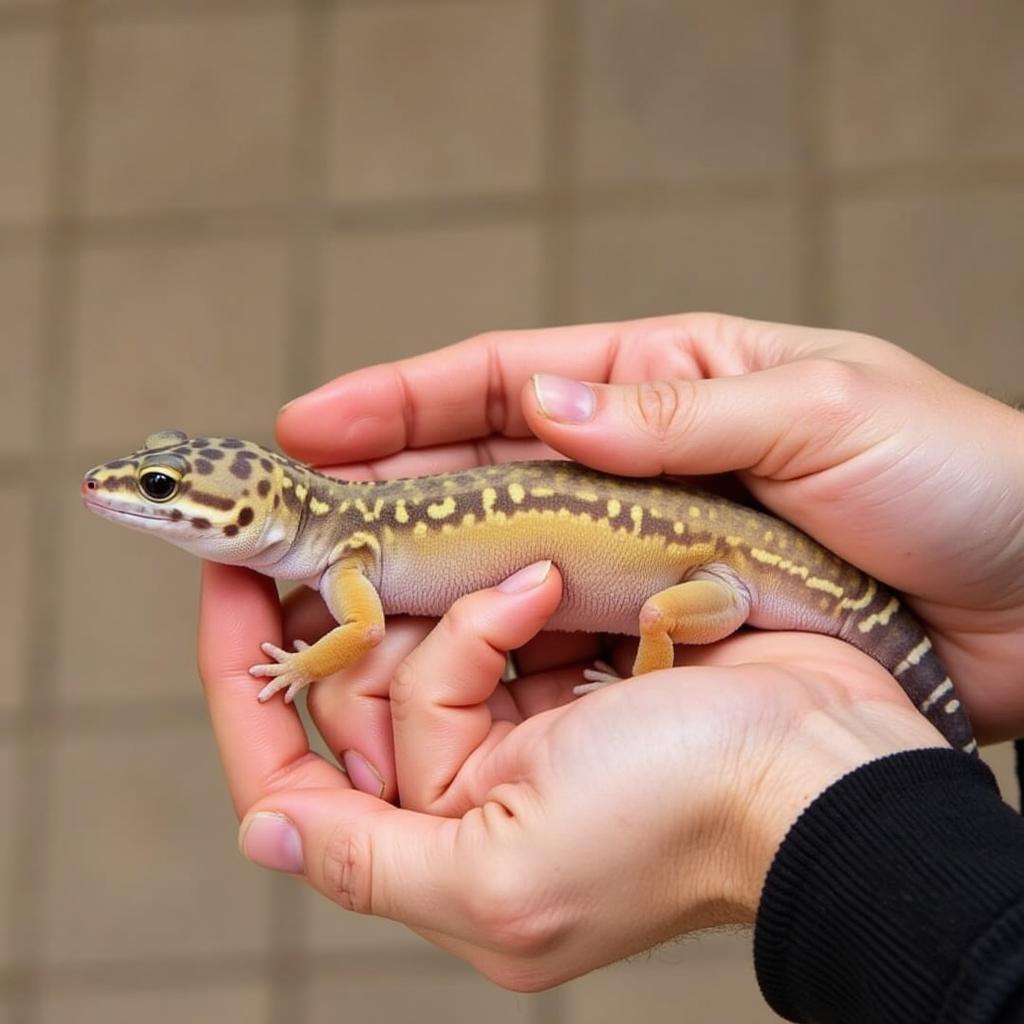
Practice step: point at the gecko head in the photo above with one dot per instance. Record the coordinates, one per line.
(217, 497)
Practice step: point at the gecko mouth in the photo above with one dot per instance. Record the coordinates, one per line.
(117, 513)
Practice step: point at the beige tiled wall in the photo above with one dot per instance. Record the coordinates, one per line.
(457, 109)
(209, 205)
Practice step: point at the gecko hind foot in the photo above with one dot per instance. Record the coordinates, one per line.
(597, 678)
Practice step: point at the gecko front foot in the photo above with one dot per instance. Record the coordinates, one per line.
(598, 677)
(288, 671)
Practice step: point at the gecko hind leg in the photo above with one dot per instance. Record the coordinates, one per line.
(708, 607)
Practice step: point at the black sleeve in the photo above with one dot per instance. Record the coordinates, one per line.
(898, 895)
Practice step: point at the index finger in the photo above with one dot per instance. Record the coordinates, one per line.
(467, 390)
(473, 389)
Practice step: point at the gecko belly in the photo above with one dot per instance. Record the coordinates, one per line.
(608, 572)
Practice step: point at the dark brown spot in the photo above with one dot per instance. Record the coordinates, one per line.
(201, 524)
(245, 492)
(230, 530)
(203, 467)
(245, 517)
(277, 500)
(291, 499)
(263, 488)
(232, 442)
(212, 453)
(183, 450)
(247, 455)
(175, 514)
(212, 501)
(119, 483)
(266, 464)
(118, 464)
(241, 468)
(200, 442)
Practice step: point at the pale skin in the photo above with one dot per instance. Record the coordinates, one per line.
(539, 836)
(503, 787)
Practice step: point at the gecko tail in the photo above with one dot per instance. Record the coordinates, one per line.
(894, 637)
(927, 684)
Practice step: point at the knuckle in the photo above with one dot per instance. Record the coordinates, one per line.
(716, 327)
(837, 386)
(347, 871)
(657, 405)
(661, 406)
(461, 617)
(403, 685)
(467, 629)
(490, 339)
(695, 331)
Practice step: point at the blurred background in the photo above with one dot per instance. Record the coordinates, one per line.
(207, 206)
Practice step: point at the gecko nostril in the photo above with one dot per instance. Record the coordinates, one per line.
(91, 484)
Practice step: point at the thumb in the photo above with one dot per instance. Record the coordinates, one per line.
(789, 420)
(367, 855)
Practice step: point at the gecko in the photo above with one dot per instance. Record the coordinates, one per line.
(639, 557)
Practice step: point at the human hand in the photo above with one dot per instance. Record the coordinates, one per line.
(539, 836)
(908, 474)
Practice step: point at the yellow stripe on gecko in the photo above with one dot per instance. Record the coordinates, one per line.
(641, 557)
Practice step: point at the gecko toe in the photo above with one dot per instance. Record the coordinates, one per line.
(288, 671)
(597, 678)
(270, 689)
(294, 689)
(275, 652)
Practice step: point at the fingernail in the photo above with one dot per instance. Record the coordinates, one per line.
(562, 399)
(526, 579)
(272, 841)
(362, 774)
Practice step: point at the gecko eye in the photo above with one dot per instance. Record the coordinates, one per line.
(158, 486)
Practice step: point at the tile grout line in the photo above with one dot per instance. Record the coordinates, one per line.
(938, 178)
(815, 199)
(121, 11)
(560, 95)
(309, 225)
(35, 754)
(289, 967)
(560, 186)
(131, 10)
(26, 17)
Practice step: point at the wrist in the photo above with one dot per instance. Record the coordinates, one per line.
(823, 747)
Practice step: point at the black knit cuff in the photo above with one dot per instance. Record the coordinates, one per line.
(898, 895)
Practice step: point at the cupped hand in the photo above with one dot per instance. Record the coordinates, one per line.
(912, 476)
(539, 836)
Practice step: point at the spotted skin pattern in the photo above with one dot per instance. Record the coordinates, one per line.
(647, 558)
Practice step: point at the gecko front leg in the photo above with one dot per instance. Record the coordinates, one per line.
(354, 602)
